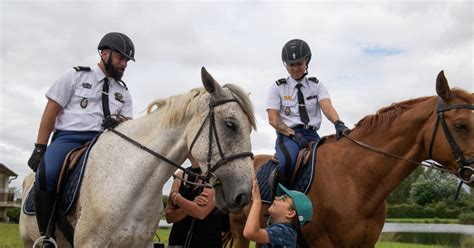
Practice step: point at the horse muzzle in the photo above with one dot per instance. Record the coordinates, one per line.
(231, 202)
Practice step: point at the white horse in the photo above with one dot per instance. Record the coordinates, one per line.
(120, 199)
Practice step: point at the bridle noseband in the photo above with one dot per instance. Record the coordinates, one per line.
(209, 179)
(457, 153)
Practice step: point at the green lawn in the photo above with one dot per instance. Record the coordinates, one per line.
(9, 236)
(403, 245)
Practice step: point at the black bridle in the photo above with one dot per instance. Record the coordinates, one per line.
(210, 173)
(457, 153)
(213, 130)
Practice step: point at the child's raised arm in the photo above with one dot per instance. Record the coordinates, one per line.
(252, 230)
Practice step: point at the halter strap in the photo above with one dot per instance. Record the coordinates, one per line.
(457, 153)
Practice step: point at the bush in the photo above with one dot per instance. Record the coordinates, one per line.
(436, 210)
(466, 218)
(14, 215)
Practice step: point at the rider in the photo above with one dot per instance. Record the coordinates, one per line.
(77, 110)
(294, 107)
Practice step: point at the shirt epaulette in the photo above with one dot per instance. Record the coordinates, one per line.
(313, 79)
(122, 83)
(280, 81)
(82, 68)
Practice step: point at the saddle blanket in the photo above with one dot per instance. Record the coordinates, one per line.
(70, 189)
(303, 181)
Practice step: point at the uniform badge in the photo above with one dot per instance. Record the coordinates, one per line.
(287, 97)
(84, 102)
(86, 85)
(287, 111)
(119, 97)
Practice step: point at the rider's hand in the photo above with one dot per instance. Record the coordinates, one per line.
(36, 156)
(340, 129)
(109, 123)
(300, 140)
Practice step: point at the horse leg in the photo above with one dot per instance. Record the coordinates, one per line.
(237, 221)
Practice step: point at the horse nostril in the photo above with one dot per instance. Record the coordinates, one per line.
(241, 199)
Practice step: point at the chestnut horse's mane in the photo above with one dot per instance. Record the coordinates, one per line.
(386, 115)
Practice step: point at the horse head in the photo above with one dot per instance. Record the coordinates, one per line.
(453, 135)
(222, 143)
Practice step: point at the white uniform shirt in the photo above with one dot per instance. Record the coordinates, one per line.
(80, 95)
(284, 97)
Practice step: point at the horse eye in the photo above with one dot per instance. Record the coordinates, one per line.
(230, 125)
(461, 126)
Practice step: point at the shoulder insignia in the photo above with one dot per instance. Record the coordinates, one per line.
(82, 68)
(280, 81)
(122, 83)
(313, 79)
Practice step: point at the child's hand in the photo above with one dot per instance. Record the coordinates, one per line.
(255, 189)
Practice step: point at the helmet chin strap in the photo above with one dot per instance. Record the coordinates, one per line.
(108, 63)
(304, 75)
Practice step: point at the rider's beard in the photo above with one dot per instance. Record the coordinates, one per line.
(113, 71)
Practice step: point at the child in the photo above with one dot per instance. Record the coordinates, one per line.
(289, 209)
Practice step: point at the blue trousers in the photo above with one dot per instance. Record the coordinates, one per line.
(62, 143)
(287, 150)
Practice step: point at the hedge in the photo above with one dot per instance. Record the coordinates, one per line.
(439, 210)
(466, 218)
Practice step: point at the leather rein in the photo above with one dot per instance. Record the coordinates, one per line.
(209, 179)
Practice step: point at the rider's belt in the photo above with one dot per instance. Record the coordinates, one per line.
(306, 127)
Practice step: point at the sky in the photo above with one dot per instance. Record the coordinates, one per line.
(369, 54)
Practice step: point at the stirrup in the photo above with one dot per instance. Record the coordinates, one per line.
(42, 239)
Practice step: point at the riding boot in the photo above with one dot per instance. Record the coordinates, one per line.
(44, 204)
(275, 178)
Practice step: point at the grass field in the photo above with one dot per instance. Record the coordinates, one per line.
(10, 238)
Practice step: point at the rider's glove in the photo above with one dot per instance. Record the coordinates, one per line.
(299, 139)
(340, 129)
(36, 156)
(109, 123)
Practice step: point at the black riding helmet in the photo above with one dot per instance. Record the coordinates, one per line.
(118, 42)
(295, 51)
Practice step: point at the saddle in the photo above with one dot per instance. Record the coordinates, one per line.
(69, 180)
(300, 179)
(70, 163)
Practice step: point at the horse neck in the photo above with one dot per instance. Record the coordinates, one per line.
(169, 142)
(376, 174)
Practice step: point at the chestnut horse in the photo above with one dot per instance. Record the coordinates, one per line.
(352, 181)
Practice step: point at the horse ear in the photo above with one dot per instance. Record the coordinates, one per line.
(442, 87)
(210, 84)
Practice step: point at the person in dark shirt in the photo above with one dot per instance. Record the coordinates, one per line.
(196, 221)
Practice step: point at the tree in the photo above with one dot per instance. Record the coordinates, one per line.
(401, 194)
(434, 186)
